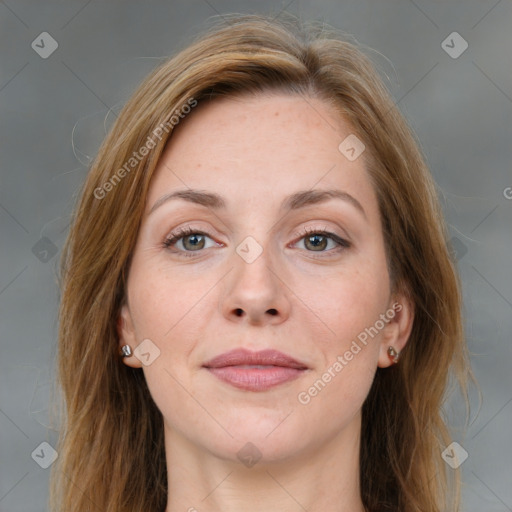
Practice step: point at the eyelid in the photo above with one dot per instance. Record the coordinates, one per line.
(307, 230)
(342, 241)
(184, 231)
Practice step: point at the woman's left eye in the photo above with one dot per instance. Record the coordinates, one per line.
(319, 241)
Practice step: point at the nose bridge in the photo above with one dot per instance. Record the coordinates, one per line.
(254, 290)
(253, 268)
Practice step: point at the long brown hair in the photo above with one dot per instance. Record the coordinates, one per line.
(111, 446)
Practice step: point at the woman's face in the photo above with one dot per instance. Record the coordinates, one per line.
(256, 272)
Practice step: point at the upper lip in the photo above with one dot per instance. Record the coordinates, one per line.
(241, 356)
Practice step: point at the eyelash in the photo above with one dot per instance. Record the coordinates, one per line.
(342, 243)
(186, 231)
(182, 233)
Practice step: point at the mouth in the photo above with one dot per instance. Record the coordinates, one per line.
(255, 371)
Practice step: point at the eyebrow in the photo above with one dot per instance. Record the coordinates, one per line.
(208, 199)
(295, 201)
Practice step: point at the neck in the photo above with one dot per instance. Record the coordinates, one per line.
(199, 481)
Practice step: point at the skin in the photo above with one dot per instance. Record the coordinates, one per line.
(311, 304)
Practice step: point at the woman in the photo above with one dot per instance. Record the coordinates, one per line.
(259, 309)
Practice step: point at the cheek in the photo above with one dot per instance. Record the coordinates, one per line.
(174, 312)
(349, 302)
(350, 306)
(165, 300)
(334, 398)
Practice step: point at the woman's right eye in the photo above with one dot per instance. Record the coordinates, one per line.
(187, 240)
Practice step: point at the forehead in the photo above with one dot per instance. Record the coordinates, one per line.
(260, 147)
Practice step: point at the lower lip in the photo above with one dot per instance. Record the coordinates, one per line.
(256, 379)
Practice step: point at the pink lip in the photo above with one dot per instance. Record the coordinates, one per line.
(234, 367)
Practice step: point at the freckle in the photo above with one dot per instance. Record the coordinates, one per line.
(276, 114)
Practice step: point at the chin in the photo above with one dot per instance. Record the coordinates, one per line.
(256, 450)
(267, 439)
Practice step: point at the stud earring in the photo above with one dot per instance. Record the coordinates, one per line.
(126, 351)
(393, 354)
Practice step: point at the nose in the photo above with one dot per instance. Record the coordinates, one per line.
(255, 292)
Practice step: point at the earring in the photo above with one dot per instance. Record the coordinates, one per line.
(126, 351)
(393, 354)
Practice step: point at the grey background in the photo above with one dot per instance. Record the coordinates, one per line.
(54, 115)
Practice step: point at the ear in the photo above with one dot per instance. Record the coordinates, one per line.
(126, 334)
(398, 329)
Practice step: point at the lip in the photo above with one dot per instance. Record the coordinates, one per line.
(255, 371)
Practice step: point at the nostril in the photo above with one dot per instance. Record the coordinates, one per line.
(239, 312)
(272, 311)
